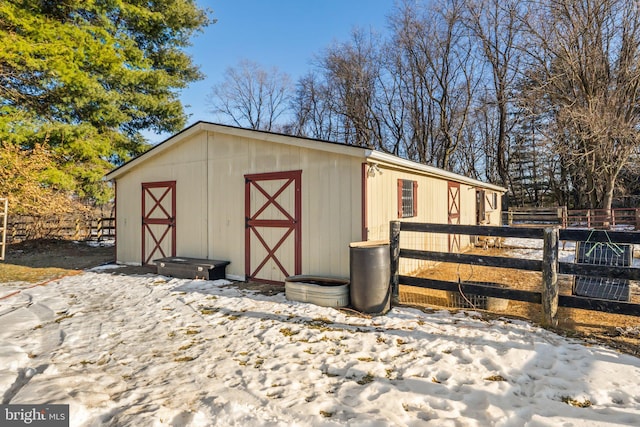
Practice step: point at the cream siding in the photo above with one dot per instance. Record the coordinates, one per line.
(209, 163)
(382, 205)
(467, 210)
(209, 171)
(330, 200)
(188, 168)
(433, 204)
(493, 214)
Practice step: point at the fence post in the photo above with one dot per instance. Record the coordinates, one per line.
(4, 205)
(510, 217)
(550, 277)
(394, 251)
(637, 211)
(613, 217)
(99, 229)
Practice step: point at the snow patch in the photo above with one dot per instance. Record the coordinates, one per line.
(149, 350)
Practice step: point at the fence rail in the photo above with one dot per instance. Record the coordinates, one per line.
(601, 218)
(549, 296)
(534, 216)
(574, 218)
(31, 227)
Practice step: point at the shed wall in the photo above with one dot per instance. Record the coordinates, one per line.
(188, 168)
(331, 200)
(209, 170)
(432, 207)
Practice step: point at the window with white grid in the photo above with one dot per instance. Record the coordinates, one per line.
(407, 198)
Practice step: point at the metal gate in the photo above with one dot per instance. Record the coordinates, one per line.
(158, 220)
(453, 212)
(273, 208)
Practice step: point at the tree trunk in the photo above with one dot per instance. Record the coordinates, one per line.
(607, 199)
(501, 148)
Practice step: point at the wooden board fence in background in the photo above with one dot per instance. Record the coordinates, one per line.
(573, 218)
(21, 228)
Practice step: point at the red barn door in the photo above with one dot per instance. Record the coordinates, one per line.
(158, 220)
(454, 214)
(273, 212)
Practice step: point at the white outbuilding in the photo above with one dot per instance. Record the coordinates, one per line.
(275, 205)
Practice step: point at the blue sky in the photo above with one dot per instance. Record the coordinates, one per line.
(282, 33)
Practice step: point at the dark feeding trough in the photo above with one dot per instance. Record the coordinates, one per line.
(191, 268)
(602, 287)
(596, 253)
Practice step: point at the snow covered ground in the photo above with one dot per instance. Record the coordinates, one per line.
(154, 351)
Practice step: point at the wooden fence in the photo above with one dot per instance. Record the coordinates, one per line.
(22, 228)
(573, 218)
(535, 216)
(4, 212)
(549, 296)
(601, 218)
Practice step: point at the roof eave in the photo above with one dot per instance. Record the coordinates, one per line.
(156, 149)
(201, 126)
(327, 146)
(378, 156)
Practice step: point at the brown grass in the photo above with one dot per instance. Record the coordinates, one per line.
(20, 273)
(37, 261)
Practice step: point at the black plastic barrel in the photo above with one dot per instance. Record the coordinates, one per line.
(370, 277)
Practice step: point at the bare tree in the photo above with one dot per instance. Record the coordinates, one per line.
(476, 158)
(410, 68)
(436, 74)
(453, 68)
(586, 70)
(550, 86)
(336, 100)
(312, 108)
(351, 70)
(497, 26)
(389, 106)
(251, 96)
